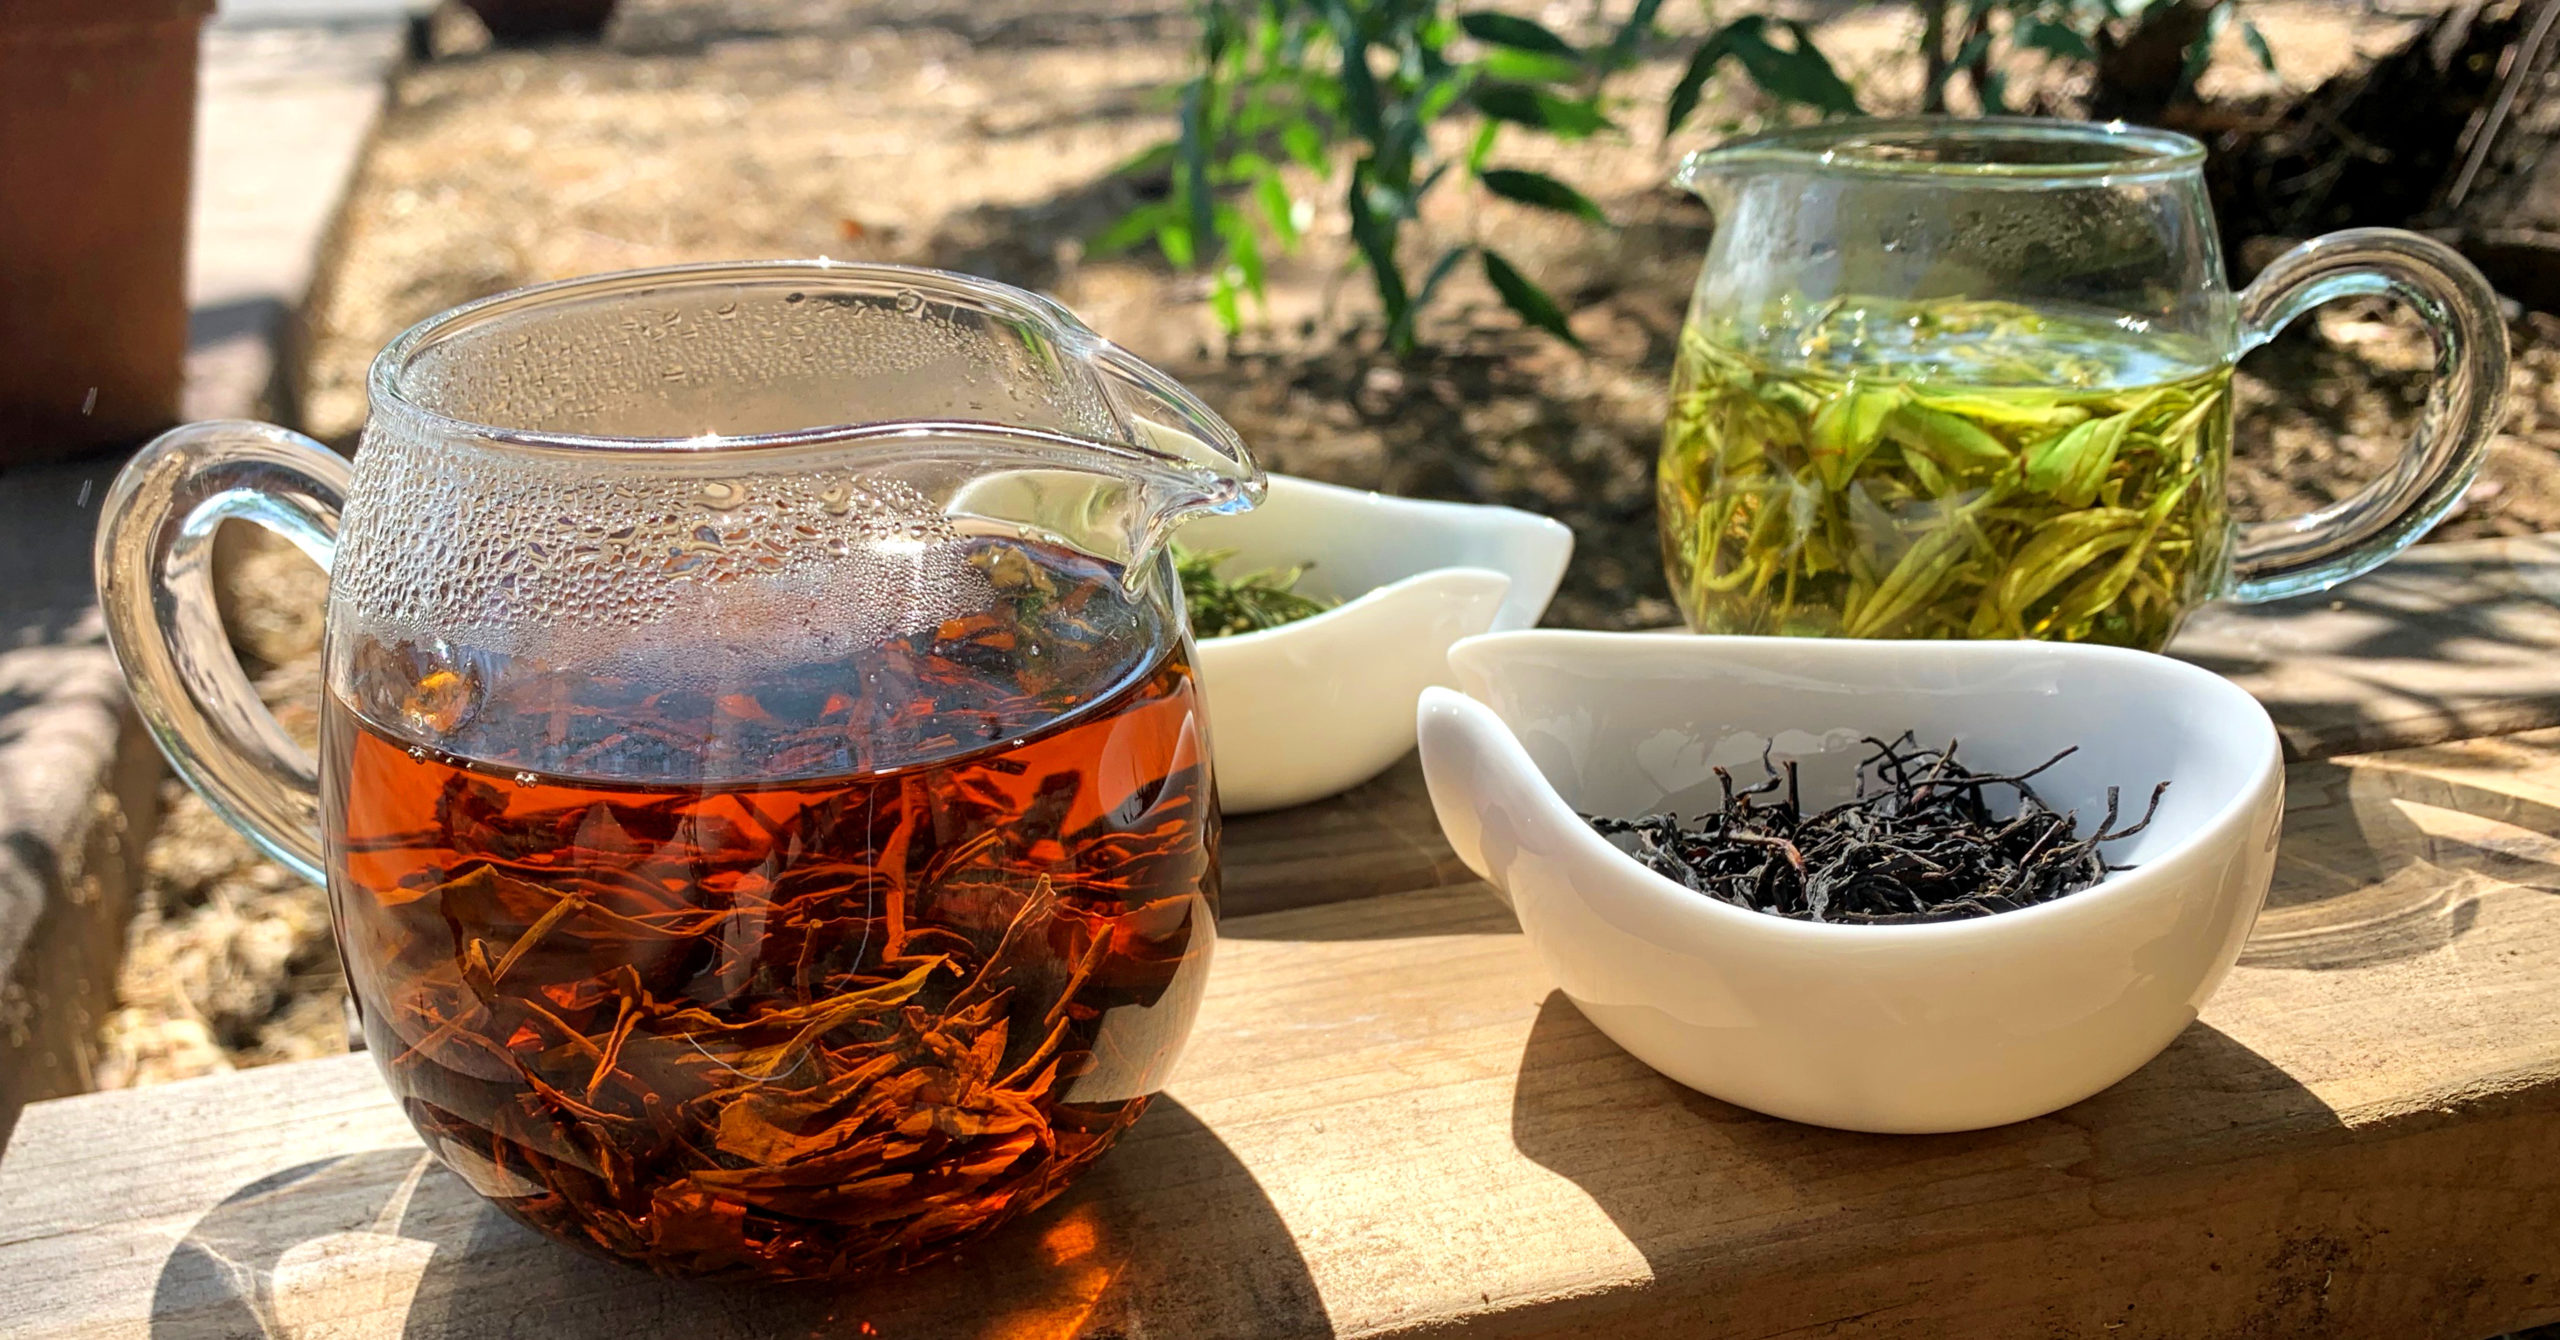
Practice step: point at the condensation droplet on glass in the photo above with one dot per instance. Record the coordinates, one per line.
(795, 297)
(910, 302)
(527, 778)
(836, 499)
(721, 494)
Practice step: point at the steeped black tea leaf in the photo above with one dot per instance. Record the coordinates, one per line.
(1920, 843)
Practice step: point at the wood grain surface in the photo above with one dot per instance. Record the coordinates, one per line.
(1389, 1123)
(2446, 642)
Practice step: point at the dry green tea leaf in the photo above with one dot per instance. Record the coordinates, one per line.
(1221, 606)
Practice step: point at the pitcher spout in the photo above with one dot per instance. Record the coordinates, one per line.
(1708, 175)
(1197, 463)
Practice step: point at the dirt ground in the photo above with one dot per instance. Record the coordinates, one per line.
(981, 135)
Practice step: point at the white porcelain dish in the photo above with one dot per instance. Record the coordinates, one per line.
(1299, 712)
(1901, 1028)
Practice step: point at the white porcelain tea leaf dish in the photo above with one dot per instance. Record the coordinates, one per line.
(1304, 710)
(1940, 1026)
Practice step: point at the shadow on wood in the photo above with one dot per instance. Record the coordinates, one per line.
(2446, 642)
(1377, 838)
(388, 1242)
(1659, 1159)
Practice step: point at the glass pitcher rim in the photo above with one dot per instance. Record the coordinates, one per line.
(385, 393)
(2153, 152)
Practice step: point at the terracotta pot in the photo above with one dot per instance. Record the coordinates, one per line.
(538, 20)
(97, 118)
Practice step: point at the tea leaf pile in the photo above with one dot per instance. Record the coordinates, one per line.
(1920, 843)
(1221, 606)
(1947, 469)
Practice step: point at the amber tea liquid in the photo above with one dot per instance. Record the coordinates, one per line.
(793, 977)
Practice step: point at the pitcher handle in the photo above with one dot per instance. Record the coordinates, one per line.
(2319, 549)
(155, 584)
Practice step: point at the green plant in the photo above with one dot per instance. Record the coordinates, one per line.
(1796, 73)
(1319, 80)
(2141, 55)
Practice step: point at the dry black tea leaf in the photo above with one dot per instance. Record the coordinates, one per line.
(1921, 842)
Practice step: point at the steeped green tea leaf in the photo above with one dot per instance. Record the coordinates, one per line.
(1952, 468)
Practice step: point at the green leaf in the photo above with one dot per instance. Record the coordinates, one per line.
(1798, 74)
(1848, 429)
(1519, 34)
(1222, 300)
(1993, 89)
(1131, 228)
(1693, 81)
(1174, 240)
(1524, 105)
(1429, 181)
(1217, 32)
(2073, 466)
(1374, 233)
(1631, 34)
(2258, 45)
(2053, 39)
(1439, 98)
(1307, 146)
(1278, 208)
(1241, 244)
(1974, 49)
(1951, 442)
(1543, 191)
(2200, 51)
(1531, 67)
(1803, 74)
(1240, 167)
(1526, 298)
(2063, 547)
(1439, 271)
(1487, 132)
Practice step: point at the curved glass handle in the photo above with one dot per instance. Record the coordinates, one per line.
(155, 582)
(2318, 550)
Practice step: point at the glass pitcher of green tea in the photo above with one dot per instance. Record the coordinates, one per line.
(762, 789)
(1948, 378)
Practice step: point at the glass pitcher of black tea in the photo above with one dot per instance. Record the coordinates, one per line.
(1972, 378)
(762, 790)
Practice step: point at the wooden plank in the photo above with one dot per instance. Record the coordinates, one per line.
(2446, 642)
(1389, 1124)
